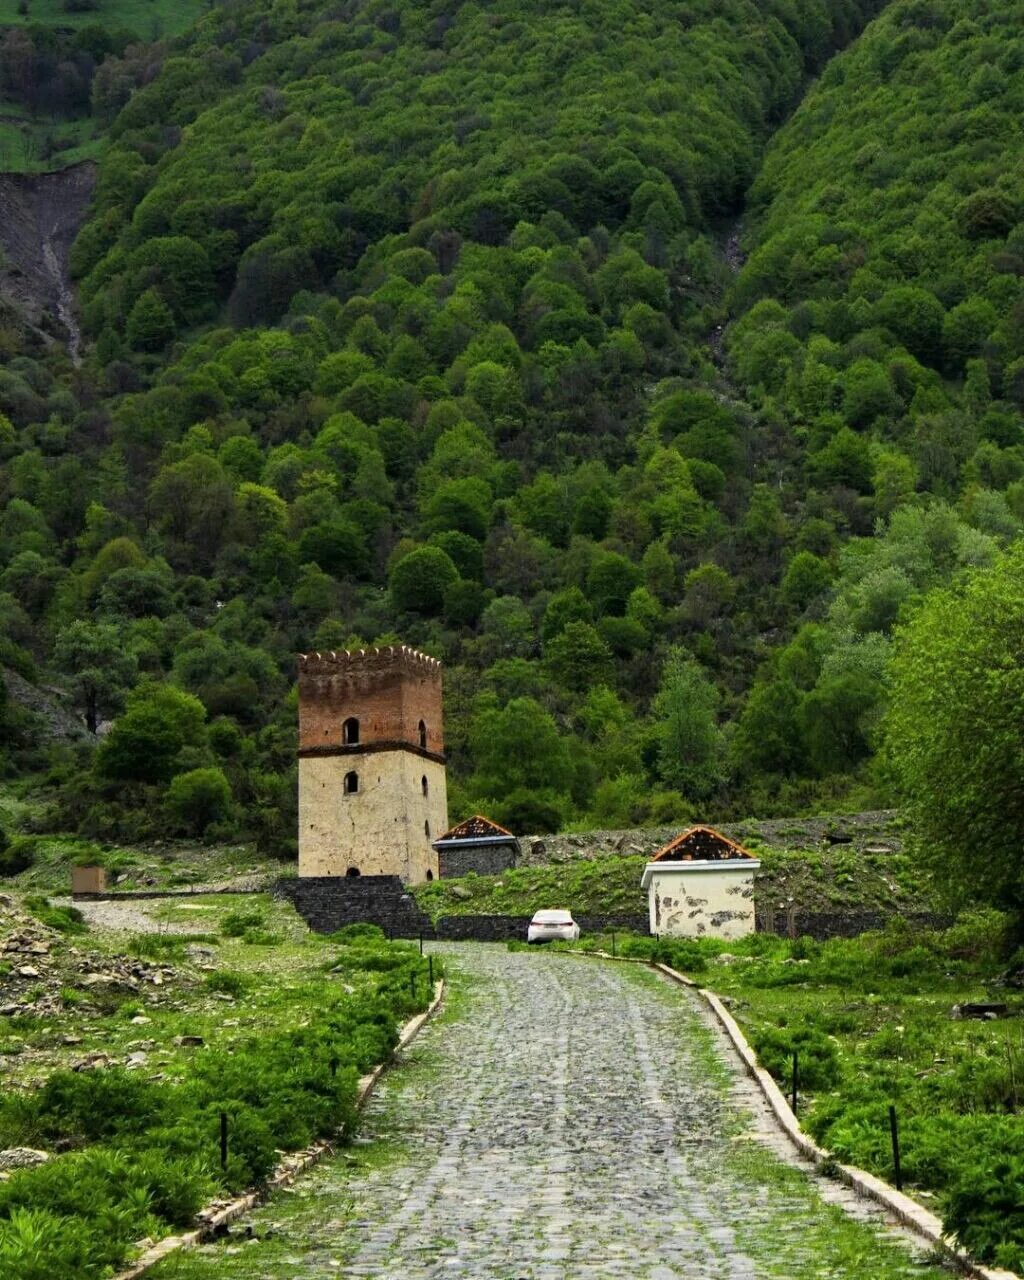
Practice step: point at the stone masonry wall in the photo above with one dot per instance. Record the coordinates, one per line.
(389, 691)
(484, 859)
(383, 828)
(328, 903)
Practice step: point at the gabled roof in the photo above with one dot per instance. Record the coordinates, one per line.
(701, 844)
(476, 828)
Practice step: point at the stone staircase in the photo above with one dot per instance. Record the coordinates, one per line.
(328, 903)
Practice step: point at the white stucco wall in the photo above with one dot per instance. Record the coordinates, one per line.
(384, 828)
(694, 900)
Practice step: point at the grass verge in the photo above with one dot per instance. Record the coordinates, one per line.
(871, 1021)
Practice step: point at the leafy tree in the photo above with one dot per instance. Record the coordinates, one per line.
(953, 732)
(517, 747)
(420, 579)
(578, 658)
(610, 581)
(690, 742)
(709, 591)
(570, 605)
(150, 323)
(197, 799)
(337, 546)
(807, 576)
(100, 670)
(145, 742)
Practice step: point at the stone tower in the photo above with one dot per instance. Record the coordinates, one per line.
(372, 792)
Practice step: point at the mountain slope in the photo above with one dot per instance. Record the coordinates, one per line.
(400, 322)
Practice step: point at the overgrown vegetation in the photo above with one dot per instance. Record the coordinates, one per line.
(462, 361)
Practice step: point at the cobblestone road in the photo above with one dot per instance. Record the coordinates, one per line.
(564, 1118)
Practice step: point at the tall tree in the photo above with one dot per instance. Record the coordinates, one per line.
(690, 755)
(954, 732)
(99, 669)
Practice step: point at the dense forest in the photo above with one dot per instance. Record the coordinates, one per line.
(644, 363)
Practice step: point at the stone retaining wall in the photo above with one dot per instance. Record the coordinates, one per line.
(840, 924)
(328, 903)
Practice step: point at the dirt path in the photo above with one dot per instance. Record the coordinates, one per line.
(137, 916)
(565, 1118)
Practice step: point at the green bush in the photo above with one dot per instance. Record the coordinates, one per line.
(985, 1209)
(197, 799)
(63, 919)
(818, 1058)
(17, 855)
(358, 933)
(261, 938)
(235, 923)
(166, 946)
(231, 984)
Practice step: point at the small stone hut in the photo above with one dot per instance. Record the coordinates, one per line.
(479, 845)
(701, 884)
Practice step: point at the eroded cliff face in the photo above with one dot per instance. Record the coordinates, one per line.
(40, 214)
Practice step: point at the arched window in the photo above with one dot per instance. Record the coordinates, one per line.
(351, 783)
(430, 875)
(423, 735)
(424, 784)
(350, 732)
(352, 872)
(426, 829)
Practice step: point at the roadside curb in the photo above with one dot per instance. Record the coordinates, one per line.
(912, 1215)
(290, 1168)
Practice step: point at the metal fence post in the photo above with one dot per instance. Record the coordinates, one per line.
(223, 1139)
(894, 1130)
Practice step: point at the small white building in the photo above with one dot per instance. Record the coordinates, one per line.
(701, 884)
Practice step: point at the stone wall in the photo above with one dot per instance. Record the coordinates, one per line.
(328, 903)
(389, 691)
(384, 828)
(821, 925)
(484, 859)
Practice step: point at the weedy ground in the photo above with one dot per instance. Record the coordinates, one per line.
(124, 1049)
(801, 869)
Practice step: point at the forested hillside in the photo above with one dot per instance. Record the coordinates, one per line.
(406, 323)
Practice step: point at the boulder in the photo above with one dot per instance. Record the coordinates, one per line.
(22, 1158)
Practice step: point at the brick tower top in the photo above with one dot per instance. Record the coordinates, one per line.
(370, 699)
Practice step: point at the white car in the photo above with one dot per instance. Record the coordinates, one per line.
(553, 926)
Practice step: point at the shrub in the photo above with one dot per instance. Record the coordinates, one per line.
(16, 855)
(983, 1208)
(235, 923)
(358, 933)
(818, 1058)
(63, 919)
(231, 984)
(198, 798)
(166, 946)
(261, 938)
